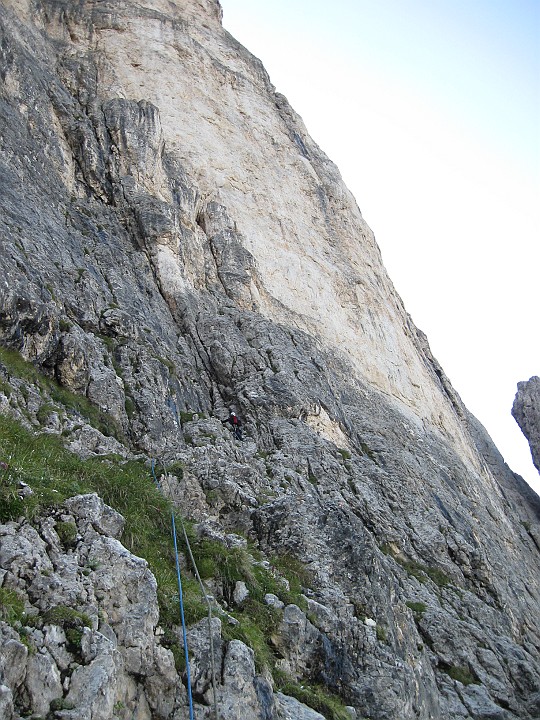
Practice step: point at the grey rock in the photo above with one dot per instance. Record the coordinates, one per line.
(93, 688)
(480, 705)
(274, 601)
(43, 681)
(161, 686)
(6, 703)
(240, 593)
(13, 656)
(199, 637)
(299, 643)
(243, 691)
(91, 509)
(55, 642)
(292, 709)
(526, 412)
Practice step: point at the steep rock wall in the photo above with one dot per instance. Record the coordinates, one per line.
(174, 244)
(313, 262)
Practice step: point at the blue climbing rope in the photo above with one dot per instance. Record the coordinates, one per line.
(182, 617)
(181, 601)
(153, 465)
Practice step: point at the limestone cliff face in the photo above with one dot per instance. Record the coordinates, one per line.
(526, 411)
(173, 242)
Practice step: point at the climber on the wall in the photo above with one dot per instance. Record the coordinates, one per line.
(235, 423)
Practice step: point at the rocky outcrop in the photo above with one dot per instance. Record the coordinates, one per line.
(526, 412)
(174, 245)
(87, 642)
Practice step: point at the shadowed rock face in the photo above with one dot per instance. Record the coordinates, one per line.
(526, 411)
(173, 244)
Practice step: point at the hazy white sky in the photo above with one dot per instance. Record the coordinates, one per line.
(431, 110)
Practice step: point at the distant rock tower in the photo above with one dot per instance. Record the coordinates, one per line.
(526, 411)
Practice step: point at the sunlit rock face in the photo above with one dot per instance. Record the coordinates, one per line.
(313, 262)
(174, 245)
(526, 411)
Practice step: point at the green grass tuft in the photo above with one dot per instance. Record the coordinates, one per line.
(418, 608)
(461, 673)
(186, 416)
(11, 606)
(423, 572)
(316, 697)
(66, 617)
(254, 630)
(67, 532)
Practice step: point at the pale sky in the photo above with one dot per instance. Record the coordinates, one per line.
(431, 111)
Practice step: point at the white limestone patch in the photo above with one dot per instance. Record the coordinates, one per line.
(329, 429)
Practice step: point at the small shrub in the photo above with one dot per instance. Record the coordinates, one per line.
(413, 568)
(366, 450)
(171, 640)
(129, 406)
(44, 413)
(11, 606)
(249, 632)
(168, 364)
(345, 454)
(74, 637)
(461, 673)
(381, 633)
(231, 565)
(67, 532)
(423, 572)
(418, 608)
(5, 388)
(17, 366)
(360, 610)
(24, 636)
(176, 469)
(186, 416)
(195, 608)
(11, 504)
(61, 704)
(294, 571)
(211, 496)
(438, 576)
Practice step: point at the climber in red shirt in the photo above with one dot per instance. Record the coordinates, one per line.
(236, 424)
